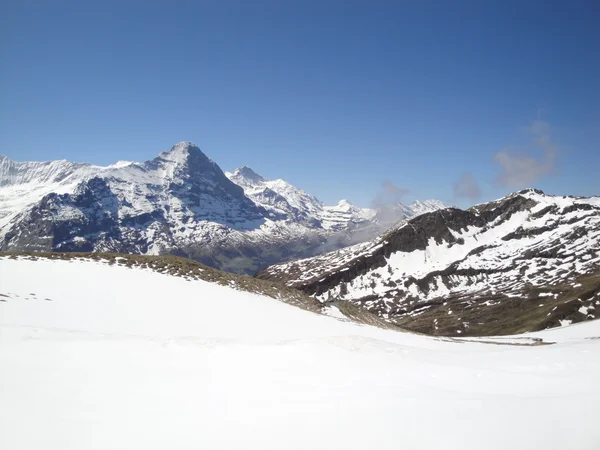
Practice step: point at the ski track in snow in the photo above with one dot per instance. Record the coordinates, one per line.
(105, 357)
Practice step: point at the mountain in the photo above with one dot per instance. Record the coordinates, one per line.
(97, 355)
(287, 202)
(526, 262)
(343, 224)
(179, 203)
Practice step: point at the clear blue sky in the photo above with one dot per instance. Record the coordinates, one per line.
(336, 97)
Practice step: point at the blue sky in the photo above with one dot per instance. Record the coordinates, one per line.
(461, 101)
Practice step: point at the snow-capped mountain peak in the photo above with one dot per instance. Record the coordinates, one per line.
(181, 152)
(425, 206)
(180, 157)
(246, 174)
(345, 205)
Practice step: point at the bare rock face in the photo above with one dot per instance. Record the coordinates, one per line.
(525, 262)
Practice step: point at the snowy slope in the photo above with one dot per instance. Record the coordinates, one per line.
(179, 202)
(104, 357)
(525, 255)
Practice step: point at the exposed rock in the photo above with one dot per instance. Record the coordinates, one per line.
(482, 266)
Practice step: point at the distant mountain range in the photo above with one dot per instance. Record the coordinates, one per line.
(180, 203)
(526, 262)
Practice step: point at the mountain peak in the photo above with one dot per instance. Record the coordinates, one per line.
(183, 145)
(531, 191)
(429, 205)
(249, 174)
(345, 204)
(181, 150)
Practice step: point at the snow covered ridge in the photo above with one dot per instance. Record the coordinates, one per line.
(181, 203)
(191, 270)
(282, 199)
(526, 262)
(101, 357)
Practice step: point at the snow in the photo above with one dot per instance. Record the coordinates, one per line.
(178, 200)
(105, 357)
(438, 256)
(137, 190)
(417, 207)
(292, 201)
(502, 262)
(24, 183)
(281, 197)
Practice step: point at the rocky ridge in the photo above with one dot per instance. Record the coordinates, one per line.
(528, 261)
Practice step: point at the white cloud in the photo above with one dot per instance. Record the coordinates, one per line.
(390, 194)
(522, 169)
(467, 187)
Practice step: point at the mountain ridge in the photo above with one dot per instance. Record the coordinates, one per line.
(431, 272)
(179, 202)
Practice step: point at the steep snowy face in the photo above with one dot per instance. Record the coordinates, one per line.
(338, 217)
(527, 253)
(24, 183)
(17, 173)
(199, 189)
(283, 200)
(245, 177)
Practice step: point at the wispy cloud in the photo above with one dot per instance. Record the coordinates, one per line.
(390, 194)
(522, 169)
(386, 202)
(467, 187)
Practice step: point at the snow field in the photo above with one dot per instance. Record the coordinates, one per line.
(105, 357)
